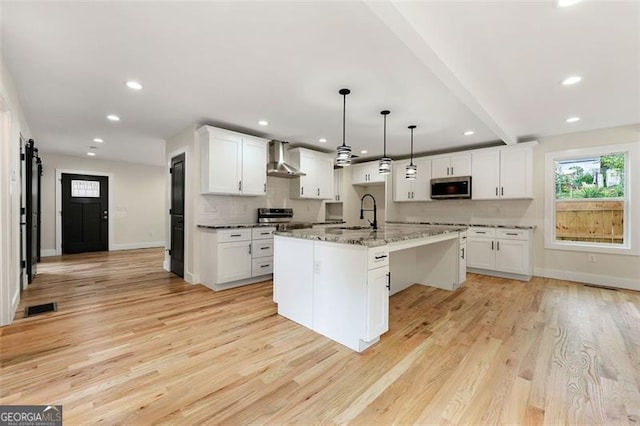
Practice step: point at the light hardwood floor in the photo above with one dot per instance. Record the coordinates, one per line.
(133, 344)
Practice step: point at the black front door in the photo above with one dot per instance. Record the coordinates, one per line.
(85, 213)
(177, 215)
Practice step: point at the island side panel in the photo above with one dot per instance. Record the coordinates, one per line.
(340, 292)
(402, 264)
(437, 264)
(293, 279)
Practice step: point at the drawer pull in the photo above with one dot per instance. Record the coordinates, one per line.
(265, 248)
(480, 232)
(265, 266)
(236, 235)
(383, 256)
(265, 233)
(511, 233)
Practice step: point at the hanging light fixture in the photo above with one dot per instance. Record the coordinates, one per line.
(411, 170)
(343, 153)
(384, 167)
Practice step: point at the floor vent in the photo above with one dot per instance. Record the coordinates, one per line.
(40, 309)
(603, 287)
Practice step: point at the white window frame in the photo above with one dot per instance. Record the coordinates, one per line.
(631, 237)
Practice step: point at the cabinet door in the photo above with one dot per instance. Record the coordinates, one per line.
(516, 173)
(512, 256)
(377, 303)
(485, 182)
(460, 165)
(440, 167)
(308, 182)
(462, 265)
(359, 174)
(324, 177)
(481, 253)
(374, 175)
(254, 166)
(402, 187)
(224, 164)
(422, 184)
(337, 184)
(234, 261)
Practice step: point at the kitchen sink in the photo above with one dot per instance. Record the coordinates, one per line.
(351, 228)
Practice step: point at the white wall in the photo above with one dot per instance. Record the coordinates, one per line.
(613, 270)
(12, 125)
(138, 207)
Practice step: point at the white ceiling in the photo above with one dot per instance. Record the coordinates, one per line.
(494, 67)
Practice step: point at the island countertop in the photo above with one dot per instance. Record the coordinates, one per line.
(369, 237)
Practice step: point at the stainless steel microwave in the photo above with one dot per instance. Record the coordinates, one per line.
(451, 188)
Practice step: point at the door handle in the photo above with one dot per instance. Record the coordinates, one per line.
(498, 245)
(239, 185)
(389, 280)
(318, 192)
(502, 190)
(496, 191)
(491, 245)
(451, 171)
(302, 190)
(463, 252)
(249, 248)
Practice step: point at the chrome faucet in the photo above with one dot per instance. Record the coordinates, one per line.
(374, 224)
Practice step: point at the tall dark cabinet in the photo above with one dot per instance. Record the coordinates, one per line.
(33, 184)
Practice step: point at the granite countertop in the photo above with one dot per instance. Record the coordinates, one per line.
(236, 225)
(486, 225)
(369, 237)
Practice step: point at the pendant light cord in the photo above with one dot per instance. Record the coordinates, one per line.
(385, 136)
(344, 115)
(412, 147)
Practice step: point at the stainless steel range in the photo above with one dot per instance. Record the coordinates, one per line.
(281, 218)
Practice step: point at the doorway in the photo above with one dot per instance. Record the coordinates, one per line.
(85, 213)
(176, 211)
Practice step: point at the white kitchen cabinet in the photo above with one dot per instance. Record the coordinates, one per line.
(367, 174)
(462, 265)
(500, 250)
(451, 165)
(318, 167)
(502, 173)
(232, 163)
(337, 185)
(412, 190)
(234, 261)
(378, 286)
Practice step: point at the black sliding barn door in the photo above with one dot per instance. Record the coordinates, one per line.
(177, 214)
(33, 176)
(85, 213)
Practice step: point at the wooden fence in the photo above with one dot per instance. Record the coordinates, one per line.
(588, 220)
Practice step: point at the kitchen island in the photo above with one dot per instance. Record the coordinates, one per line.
(337, 281)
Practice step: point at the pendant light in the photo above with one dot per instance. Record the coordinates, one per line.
(384, 167)
(343, 153)
(411, 170)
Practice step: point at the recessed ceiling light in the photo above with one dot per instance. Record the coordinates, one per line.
(573, 119)
(263, 122)
(322, 140)
(98, 140)
(567, 3)
(469, 132)
(134, 85)
(91, 154)
(113, 117)
(364, 151)
(572, 80)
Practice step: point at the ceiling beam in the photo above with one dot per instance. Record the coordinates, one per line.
(404, 30)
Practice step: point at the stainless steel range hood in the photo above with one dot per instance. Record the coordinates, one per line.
(276, 166)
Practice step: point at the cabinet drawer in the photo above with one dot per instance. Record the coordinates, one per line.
(481, 232)
(226, 235)
(512, 234)
(262, 266)
(378, 256)
(262, 233)
(262, 248)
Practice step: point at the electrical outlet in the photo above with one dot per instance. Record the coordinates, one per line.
(592, 258)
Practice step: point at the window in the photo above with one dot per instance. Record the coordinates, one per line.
(85, 188)
(588, 202)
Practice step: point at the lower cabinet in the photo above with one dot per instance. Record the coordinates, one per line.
(233, 257)
(500, 250)
(462, 265)
(378, 286)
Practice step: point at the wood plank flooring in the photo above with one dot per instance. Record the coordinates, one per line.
(132, 344)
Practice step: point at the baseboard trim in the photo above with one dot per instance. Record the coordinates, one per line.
(600, 280)
(192, 278)
(47, 252)
(166, 266)
(499, 274)
(14, 304)
(133, 246)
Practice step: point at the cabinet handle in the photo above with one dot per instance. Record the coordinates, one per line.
(389, 280)
(463, 252)
(265, 266)
(265, 248)
(318, 191)
(451, 171)
(236, 235)
(480, 232)
(491, 245)
(383, 256)
(265, 233)
(502, 190)
(408, 194)
(265, 187)
(511, 233)
(239, 185)
(302, 190)
(496, 191)
(249, 248)
(498, 245)
(412, 196)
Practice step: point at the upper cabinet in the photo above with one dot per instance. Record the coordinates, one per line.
(503, 173)
(451, 165)
(232, 163)
(318, 181)
(337, 185)
(366, 174)
(418, 189)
